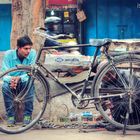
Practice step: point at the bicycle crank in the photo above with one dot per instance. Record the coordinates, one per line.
(80, 104)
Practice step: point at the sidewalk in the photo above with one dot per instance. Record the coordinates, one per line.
(71, 134)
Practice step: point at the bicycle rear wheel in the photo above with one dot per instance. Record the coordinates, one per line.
(31, 96)
(122, 95)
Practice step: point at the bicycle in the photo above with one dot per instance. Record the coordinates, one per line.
(114, 89)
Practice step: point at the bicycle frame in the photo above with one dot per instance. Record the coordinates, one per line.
(55, 78)
(79, 96)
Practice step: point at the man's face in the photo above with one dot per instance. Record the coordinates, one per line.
(24, 51)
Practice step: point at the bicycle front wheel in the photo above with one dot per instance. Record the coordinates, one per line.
(25, 104)
(117, 89)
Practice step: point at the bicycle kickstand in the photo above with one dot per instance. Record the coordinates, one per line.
(129, 111)
(125, 122)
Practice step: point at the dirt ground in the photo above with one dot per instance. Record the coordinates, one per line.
(71, 134)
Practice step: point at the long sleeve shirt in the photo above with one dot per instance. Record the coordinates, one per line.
(11, 60)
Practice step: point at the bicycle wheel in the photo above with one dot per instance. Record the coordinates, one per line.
(29, 98)
(117, 95)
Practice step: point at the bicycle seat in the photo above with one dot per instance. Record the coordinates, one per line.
(100, 42)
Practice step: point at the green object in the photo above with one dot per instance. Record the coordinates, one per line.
(26, 120)
(11, 121)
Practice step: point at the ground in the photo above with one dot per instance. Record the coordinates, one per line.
(71, 134)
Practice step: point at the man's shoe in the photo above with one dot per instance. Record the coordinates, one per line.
(11, 121)
(26, 120)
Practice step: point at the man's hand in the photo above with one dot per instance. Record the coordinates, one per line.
(14, 81)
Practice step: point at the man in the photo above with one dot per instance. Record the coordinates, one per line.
(23, 55)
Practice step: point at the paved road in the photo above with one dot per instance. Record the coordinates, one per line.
(71, 134)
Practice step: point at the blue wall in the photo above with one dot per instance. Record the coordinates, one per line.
(5, 26)
(117, 19)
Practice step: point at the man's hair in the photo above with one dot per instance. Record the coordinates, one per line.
(23, 41)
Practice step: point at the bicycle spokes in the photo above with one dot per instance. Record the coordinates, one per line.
(119, 84)
(29, 99)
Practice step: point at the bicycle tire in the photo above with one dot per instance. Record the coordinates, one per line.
(107, 82)
(40, 98)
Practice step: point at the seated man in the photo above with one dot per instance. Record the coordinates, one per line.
(22, 55)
